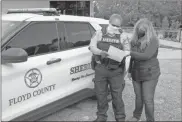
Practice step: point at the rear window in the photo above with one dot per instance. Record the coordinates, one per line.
(104, 25)
(78, 34)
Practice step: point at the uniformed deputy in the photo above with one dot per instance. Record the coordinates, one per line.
(108, 71)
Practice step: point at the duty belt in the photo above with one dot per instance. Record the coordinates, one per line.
(106, 62)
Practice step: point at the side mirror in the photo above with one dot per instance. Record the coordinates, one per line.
(14, 55)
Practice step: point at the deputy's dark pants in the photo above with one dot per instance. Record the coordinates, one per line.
(144, 91)
(115, 79)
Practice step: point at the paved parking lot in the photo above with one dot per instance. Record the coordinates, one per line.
(167, 97)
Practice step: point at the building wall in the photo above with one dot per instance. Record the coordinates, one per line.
(0, 6)
(91, 8)
(14, 4)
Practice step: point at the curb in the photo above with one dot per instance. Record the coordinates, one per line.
(170, 47)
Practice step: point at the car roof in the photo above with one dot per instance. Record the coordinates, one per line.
(95, 22)
(18, 17)
(38, 17)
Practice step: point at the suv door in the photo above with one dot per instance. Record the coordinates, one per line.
(42, 79)
(78, 58)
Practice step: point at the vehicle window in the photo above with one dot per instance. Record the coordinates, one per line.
(92, 30)
(37, 38)
(61, 33)
(104, 25)
(78, 34)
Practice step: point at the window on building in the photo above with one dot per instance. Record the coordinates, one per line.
(79, 8)
(78, 34)
(37, 38)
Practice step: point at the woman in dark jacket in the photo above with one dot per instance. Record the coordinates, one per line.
(144, 69)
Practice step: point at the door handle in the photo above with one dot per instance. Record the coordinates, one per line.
(53, 61)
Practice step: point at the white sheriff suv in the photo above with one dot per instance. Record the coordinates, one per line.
(46, 63)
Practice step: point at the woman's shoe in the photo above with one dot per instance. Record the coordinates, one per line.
(133, 119)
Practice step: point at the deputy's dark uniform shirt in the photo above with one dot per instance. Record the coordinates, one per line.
(107, 41)
(97, 37)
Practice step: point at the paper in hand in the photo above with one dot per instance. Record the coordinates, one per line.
(116, 54)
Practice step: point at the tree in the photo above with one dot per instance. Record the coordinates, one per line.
(132, 10)
(173, 26)
(165, 23)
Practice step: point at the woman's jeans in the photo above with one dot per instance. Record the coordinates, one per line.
(144, 91)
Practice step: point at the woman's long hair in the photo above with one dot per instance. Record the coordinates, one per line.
(150, 33)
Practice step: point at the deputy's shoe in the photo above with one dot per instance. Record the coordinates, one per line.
(133, 119)
(99, 119)
(120, 120)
